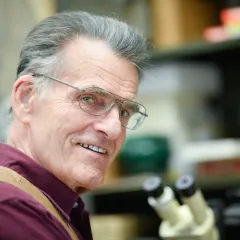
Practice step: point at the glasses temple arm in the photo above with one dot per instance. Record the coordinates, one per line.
(55, 79)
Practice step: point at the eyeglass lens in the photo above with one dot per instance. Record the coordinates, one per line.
(97, 101)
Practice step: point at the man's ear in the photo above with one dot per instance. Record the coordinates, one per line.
(22, 97)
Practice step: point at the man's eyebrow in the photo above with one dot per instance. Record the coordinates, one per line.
(86, 86)
(119, 98)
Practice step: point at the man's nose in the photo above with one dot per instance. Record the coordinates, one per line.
(109, 124)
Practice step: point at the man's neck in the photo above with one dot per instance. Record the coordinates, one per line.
(17, 138)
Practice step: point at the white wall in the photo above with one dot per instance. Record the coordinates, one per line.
(17, 18)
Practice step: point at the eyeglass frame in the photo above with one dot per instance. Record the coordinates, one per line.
(116, 101)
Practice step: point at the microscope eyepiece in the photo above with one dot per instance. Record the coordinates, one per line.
(154, 186)
(186, 186)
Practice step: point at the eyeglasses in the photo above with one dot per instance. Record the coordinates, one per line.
(97, 101)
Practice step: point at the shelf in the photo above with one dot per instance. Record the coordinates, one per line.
(124, 184)
(135, 183)
(196, 50)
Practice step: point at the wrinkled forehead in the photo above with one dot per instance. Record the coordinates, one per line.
(86, 59)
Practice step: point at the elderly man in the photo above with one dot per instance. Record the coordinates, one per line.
(71, 103)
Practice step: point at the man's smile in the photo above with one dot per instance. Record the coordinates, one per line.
(93, 148)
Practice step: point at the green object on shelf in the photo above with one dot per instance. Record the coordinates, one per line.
(144, 154)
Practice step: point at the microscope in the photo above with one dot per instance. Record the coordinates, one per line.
(191, 220)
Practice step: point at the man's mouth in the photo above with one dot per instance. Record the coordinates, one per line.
(93, 148)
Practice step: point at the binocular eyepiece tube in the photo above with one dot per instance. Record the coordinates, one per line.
(192, 219)
(162, 199)
(192, 197)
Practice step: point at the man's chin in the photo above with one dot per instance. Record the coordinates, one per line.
(90, 184)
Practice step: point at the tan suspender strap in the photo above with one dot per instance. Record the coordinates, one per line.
(9, 176)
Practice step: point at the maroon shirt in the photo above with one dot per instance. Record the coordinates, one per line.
(22, 217)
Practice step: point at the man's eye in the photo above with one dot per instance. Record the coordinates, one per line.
(125, 114)
(88, 99)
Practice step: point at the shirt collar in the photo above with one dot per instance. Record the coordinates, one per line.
(62, 196)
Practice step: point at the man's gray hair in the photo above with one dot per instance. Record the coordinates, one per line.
(43, 47)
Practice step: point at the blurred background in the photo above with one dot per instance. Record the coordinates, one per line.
(191, 91)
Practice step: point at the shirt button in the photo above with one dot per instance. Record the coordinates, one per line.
(75, 205)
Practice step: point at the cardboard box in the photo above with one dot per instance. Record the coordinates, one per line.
(114, 227)
(176, 22)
